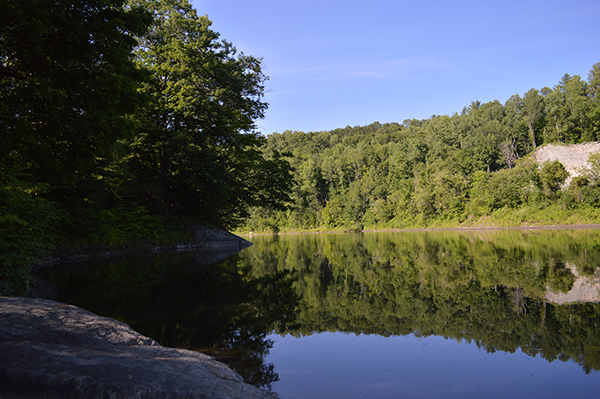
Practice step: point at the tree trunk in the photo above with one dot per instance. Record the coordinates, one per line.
(532, 132)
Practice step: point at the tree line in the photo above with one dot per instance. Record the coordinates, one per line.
(123, 123)
(469, 168)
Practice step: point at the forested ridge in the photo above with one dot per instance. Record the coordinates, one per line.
(473, 168)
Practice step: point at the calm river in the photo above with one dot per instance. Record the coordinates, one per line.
(474, 314)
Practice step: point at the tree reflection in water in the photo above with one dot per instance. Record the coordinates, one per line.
(490, 288)
(214, 308)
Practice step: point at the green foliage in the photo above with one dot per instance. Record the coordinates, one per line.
(67, 81)
(467, 169)
(26, 233)
(593, 172)
(126, 227)
(504, 188)
(533, 112)
(440, 190)
(134, 118)
(552, 177)
(196, 151)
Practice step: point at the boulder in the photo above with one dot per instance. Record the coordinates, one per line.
(205, 237)
(54, 350)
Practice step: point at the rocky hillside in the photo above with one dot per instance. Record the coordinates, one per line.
(573, 156)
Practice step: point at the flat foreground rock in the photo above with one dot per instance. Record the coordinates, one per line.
(53, 350)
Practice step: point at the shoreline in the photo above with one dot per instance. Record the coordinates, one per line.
(591, 226)
(204, 239)
(541, 227)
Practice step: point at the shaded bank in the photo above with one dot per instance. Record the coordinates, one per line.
(208, 246)
(215, 243)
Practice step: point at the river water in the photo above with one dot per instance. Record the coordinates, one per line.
(470, 314)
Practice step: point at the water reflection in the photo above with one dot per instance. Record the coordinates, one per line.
(489, 288)
(342, 365)
(530, 292)
(179, 300)
(584, 289)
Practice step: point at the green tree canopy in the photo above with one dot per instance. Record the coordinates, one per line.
(67, 80)
(552, 176)
(197, 149)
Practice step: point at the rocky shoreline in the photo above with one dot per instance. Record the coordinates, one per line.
(211, 241)
(54, 350)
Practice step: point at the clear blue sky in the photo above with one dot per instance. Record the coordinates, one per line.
(336, 63)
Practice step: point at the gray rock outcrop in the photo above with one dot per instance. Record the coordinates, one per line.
(53, 350)
(574, 157)
(219, 239)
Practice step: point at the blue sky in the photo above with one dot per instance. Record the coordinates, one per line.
(336, 63)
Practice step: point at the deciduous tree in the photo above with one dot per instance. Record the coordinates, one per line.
(196, 152)
(67, 79)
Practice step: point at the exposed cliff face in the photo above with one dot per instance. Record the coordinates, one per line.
(53, 350)
(574, 157)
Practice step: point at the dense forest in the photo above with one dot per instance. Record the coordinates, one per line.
(123, 123)
(472, 168)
